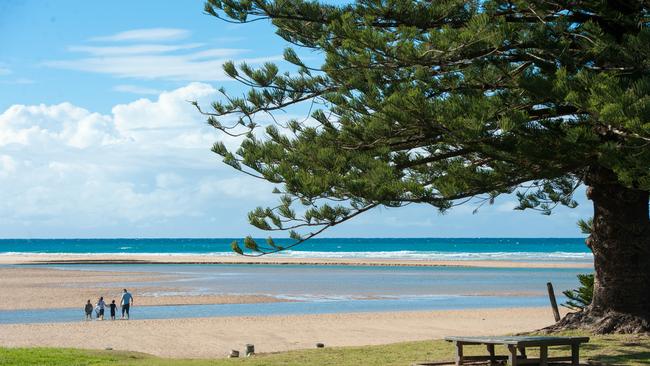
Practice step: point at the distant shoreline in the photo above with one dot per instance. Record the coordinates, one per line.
(52, 259)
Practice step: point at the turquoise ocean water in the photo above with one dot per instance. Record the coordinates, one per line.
(559, 249)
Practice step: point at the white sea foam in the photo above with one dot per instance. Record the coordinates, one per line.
(403, 254)
(423, 255)
(330, 298)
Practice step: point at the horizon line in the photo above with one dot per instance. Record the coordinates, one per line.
(320, 238)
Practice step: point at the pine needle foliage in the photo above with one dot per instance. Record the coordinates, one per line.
(436, 102)
(581, 297)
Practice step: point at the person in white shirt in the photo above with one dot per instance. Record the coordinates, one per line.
(101, 305)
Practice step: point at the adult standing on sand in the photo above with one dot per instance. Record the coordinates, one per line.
(127, 301)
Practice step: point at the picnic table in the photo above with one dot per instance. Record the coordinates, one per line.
(518, 344)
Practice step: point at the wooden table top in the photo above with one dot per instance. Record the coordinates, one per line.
(520, 340)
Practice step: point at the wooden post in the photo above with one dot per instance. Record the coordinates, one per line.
(490, 349)
(459, 353)
(250, 350)
(543, 356)
(551, 296)
(512, 355)
(522, 351)
(575, 354)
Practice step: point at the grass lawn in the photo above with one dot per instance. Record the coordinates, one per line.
(606, 350)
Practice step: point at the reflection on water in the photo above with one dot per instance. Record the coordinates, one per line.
(313, 282)
(284, 308)
(324, 289)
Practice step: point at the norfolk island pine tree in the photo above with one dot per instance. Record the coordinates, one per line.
(442, 102)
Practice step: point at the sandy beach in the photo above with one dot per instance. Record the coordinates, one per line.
(278, 260)
(215, 337)
(40, 287)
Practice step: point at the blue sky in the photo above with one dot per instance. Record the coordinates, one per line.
(97, 138)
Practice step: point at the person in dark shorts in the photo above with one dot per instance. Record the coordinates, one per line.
(127, 301)
(89, 310)
(113, 307)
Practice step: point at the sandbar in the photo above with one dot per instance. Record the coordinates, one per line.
(272, 260)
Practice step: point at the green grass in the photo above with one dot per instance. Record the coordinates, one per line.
(607, 350)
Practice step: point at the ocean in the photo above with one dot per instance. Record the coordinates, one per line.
(513, 249)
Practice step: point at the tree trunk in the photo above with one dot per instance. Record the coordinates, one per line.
(620, 241)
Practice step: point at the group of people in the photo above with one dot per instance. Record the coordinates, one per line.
(125, 303)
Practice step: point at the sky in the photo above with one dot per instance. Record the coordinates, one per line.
(98, 138)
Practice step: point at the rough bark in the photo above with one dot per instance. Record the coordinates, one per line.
(620, 241)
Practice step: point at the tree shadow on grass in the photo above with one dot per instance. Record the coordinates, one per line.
(625, 353)
(625, 358)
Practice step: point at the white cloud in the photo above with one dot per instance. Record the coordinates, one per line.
(7, 165)
(198, 66)
(144, 164)
(232, 187)
(171, 112)
(146, 60)
(4, 71)
(169, 180)
(507, 206)
(147, 34)
(132, 49)
(62, 124)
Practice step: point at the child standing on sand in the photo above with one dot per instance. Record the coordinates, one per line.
(89, 310)
(113, 308)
